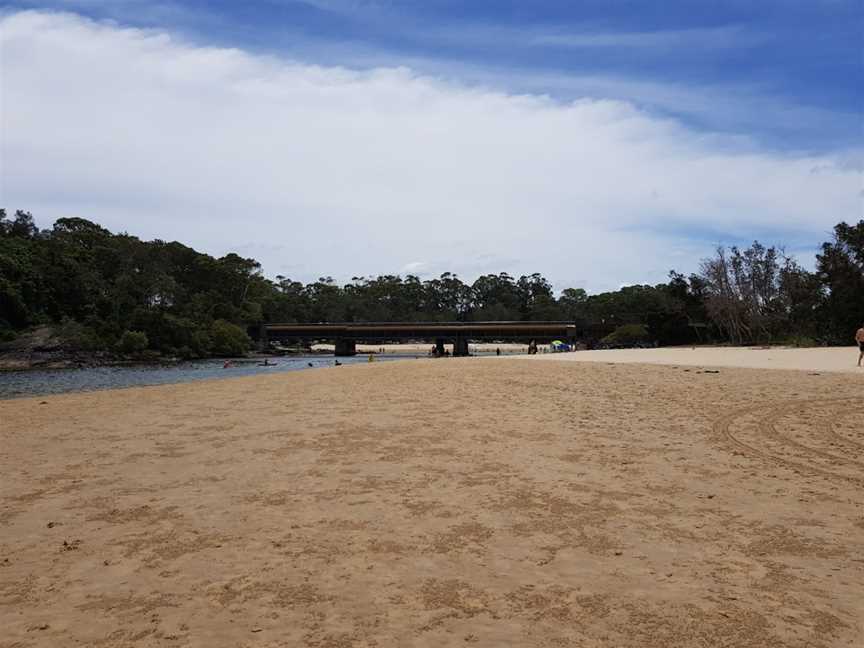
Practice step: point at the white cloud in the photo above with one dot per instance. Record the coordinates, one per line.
(331, 171)
(414, 267)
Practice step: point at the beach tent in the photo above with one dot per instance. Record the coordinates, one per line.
(558, 345)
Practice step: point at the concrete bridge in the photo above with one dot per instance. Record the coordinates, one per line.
(345, 336)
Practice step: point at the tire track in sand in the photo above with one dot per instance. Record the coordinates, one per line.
(769, 429)
(830, 428)
(767, 416)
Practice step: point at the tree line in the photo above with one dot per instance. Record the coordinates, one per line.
(113, 292)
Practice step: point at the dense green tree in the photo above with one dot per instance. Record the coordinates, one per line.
(658, 308)
(573, 303)
(840, 269)
(22, 226)
(495, 298)
(802, 299)
(448, 299)
(536, 299)
(101, 289)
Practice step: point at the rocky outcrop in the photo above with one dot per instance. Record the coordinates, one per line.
(42, 348)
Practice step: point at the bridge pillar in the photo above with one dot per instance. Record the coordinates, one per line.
(460, 346)
(263, 340)
(439, 348)
(345, 347)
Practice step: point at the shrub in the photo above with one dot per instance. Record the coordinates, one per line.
(186, 353)
(228, 339)
(77, 337)
(201, 345)
(801, 341)
(133, 342)
(627, 334)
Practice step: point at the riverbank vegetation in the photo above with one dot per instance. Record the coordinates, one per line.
(115, 293)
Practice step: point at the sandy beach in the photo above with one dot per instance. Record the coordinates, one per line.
(455, 502)
(842, 359)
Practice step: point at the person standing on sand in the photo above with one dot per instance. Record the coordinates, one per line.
(859, 338)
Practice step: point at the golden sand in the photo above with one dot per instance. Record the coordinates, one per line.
(842, 359)
(460, 502)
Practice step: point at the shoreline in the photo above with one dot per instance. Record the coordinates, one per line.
(48, 382)
(834, 360)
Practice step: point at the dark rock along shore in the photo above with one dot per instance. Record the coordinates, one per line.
(42, 348)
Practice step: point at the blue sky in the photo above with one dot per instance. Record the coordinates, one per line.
(620, 138)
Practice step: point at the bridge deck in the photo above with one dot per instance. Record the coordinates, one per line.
(395, 330)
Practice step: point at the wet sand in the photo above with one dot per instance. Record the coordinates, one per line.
(459, 502)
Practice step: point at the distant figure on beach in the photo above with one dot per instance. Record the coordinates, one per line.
(337, 363)
(228, 364)
(497, 351)
(859, 338)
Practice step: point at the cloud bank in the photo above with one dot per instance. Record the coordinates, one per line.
(324, 170)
